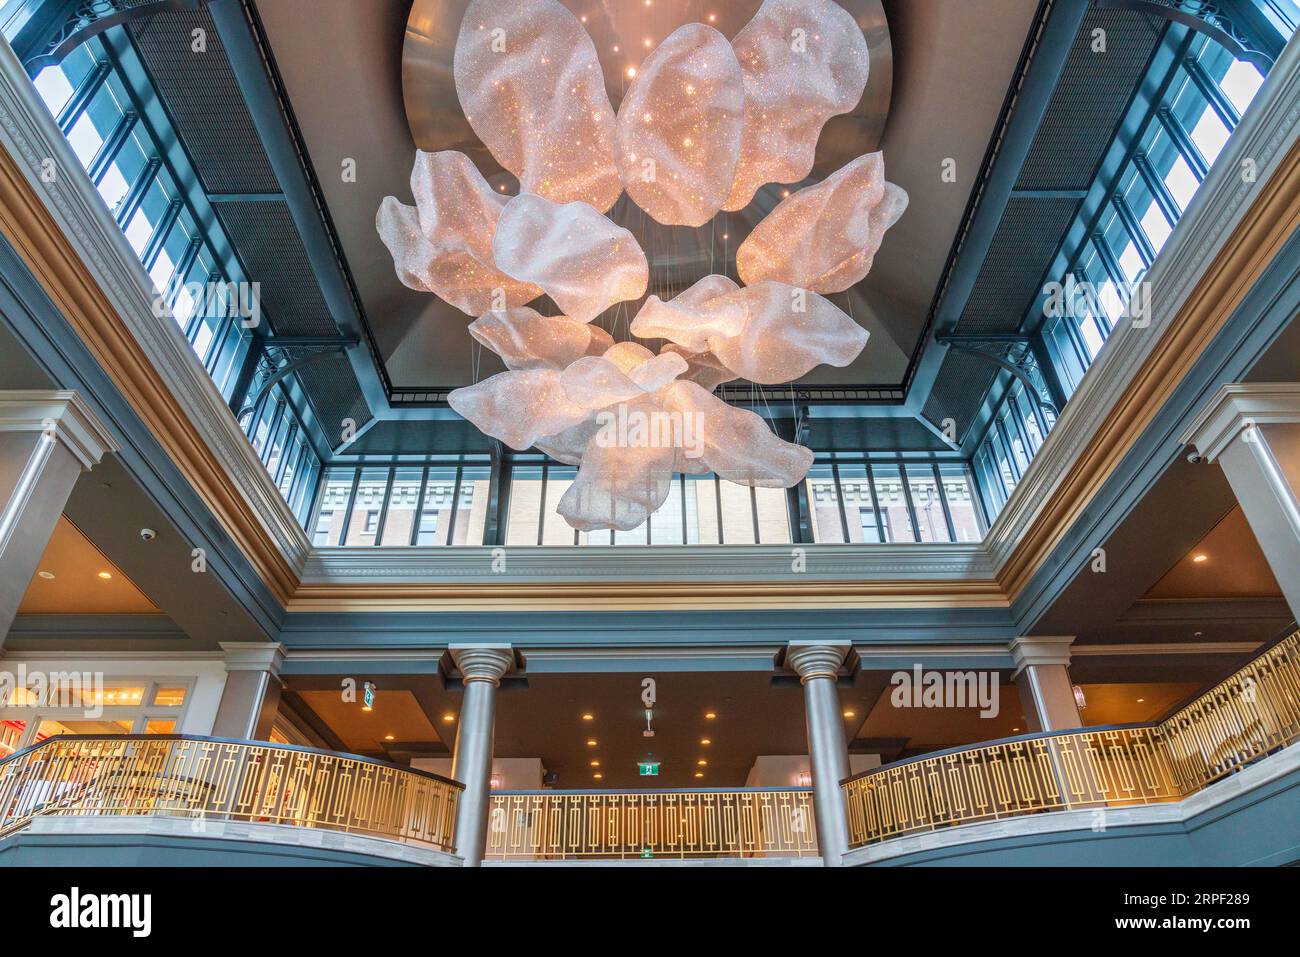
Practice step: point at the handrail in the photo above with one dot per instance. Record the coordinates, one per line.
(708, 822)
(200, 779)
(1251, 713)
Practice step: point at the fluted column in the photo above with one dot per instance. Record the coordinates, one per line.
(1042, 677)
(818, 665)
(1252, 430)
(481, 668)
(47, 439)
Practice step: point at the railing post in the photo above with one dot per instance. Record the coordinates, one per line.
(818, 664)
(481, 668)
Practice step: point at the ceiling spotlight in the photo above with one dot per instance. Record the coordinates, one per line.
(850, 714)
(631, 72)
(388, 737)
(591, 742)
(48, 576)
(105, 575)
(699, 774)
(1200, 558)
(701, 762)
(595, 764)
(448, 718)
(597, 776)
(588, 716)
(709, 715)
(1140, 700)
(705, 741)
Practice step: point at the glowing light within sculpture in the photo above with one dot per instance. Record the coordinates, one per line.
(804, 61)
(443, 245)
(710, 122)
(679, 127)
(581, 259)
(532, 89)
(825, 237)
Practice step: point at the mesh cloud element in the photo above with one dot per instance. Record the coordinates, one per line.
(715, 121)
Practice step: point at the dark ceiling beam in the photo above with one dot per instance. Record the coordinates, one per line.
(1026, 108)
(261, 90)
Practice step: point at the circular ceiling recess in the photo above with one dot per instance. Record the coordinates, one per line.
(625, 32)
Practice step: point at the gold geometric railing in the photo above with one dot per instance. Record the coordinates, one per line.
(568, 825)
(215, 779)
(1252, 713)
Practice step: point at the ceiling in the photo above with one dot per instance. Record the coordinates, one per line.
(952, 59)
(77, 586)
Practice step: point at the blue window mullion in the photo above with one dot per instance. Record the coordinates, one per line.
(1182, 141)
(1134, 229)
(1164, 199)
(82, 96)
(1213, 93)
(111, 147)
(160, 233)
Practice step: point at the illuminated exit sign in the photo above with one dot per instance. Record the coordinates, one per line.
(648, 769)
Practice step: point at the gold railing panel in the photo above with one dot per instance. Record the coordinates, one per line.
(204, 778)
(1252, 713)
(568, 825)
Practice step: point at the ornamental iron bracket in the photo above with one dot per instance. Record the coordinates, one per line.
(281, 358)
(1013, 353)
(1220, 20)
(76, 21)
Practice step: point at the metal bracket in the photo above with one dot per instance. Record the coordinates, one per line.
(1217, 19)
(1015, 354)
(281, 358)
(79, 20)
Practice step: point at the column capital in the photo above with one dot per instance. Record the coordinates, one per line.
(253, 656)
(64, 414)
(1236, 407)
(817, 659)
(1031, 650)
(482, 662)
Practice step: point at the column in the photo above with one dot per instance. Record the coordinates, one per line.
(481, 668)
(251, 698)
(1252, 430)
(1042, 677)
(47, 439)
(818, 666)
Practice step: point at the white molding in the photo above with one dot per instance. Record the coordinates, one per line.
(1236, 407)
(1033, 651)
(525, 563)
(1182, 648)
(30, 135)
(253, 656)
(73, 423)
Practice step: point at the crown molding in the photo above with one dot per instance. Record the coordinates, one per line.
(62, 413)
(1238, 406)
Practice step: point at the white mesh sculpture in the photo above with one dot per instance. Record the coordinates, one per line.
(703, 126)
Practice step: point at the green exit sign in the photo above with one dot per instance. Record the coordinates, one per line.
(648, 768)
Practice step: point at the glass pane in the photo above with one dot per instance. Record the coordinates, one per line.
(471, 510)
(1241, 83)
(702, 510)
(50, 727)
(556, 531)
(525, 505)
(896, 525)
(927, 503)
(1181, 182)
(401, 506)
(435, 518)
(737, 514)
(773, 516)
(824, 505)
(961, 502)
(11, 733)
(365, 510)
(859, 508)
(160, 726)
(333, 506)
(1210, 135)
(53, 86)
(171, 697)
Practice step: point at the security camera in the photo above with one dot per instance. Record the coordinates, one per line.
(1194, 458)
(147, 534)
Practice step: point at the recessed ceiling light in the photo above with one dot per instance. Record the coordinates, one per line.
(701, 762)
(448, 718)
(388, 737)
(1015, 729)
(705, 741)
(597, 776)
(850, 714)
(105, 575)
(1140, 700)
(48, 576)
(595, 764)
(1200, 558)
(709, 715)
(588, 716)
(591, 742)
(699, 774)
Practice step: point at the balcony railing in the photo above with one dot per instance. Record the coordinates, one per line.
(215, 779)
(1251, 714)
(569, 825)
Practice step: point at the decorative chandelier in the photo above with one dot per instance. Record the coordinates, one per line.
(704, 124)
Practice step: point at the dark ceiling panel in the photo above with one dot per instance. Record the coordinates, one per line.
(335, 395)
(1090, 98)
(204, 101)
(959, 390)
(274, 255)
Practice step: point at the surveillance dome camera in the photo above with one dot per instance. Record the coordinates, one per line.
(147, 534)
(1194, 458)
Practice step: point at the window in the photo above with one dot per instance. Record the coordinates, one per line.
(879, 503)
(80, 705)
